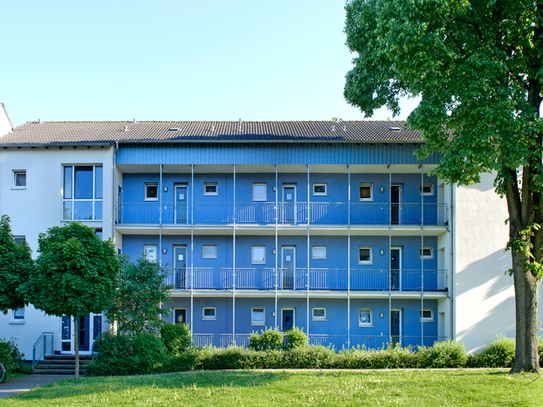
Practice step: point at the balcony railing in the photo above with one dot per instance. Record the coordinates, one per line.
(265, 213)
(292, 279)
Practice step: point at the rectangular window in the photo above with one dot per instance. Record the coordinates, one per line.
(19, 179)
(365, 317)
(427, 189)
(258, 255)
(366, 191)
(365, 255)
(258, 316)
(427, 252)
(259, 191)
(210, 188)
(82, 192)
(319, 314)
(18, 316)
(151, 191)
(210, 252)
(319, 189)
(427, 315)
(319, 252)
(150, 252)
(19, 239)
(209, 313)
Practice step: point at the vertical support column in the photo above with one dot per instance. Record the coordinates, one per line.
(390, 254)
(421, 255)
(276, 246)
(234, 263)
(192, 251)
(308, 247)
(348, 256)
(160, 217)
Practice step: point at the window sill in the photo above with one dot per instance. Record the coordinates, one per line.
(365, 264)
(150, 200)
(320, 320)
(16, 322)
(18, 188)
(365, 326)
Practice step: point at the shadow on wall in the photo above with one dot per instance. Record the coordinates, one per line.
(485, 307)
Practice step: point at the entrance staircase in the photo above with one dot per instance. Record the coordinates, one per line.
(61, 364)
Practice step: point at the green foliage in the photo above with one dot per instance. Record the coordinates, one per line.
(15, 266)
(121, 354)
(442, 354)
(271, 338)
(141, 290)
(311, 357)
(499, 353)
(11, 358)
(296, 338)
(176, 337)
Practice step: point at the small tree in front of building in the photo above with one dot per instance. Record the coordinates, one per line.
(76, 274)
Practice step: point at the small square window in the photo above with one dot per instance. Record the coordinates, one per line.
(19, 179)
(259, 192)
(209, 313)
(427, 252)
(427, 189)
(258, 316)
(18, 315)
(151, 192)
(150, 252)
(19, 239)
(319, 189)
(366, 191)
(258, 255)
(319, 314)
(365, 255)
(319, 252)
(427, 315)
(365, 317)
(210, 252)
(210, 188)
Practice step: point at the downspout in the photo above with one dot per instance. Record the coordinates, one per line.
(348, 256)
(421, 253)
(390, 254)
(234, 264)
(114, 196)
(160, 216)
(452, 265)
(276, 242)
(308, 247)
(192, 252)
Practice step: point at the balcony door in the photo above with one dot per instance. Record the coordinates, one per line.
(181, 204)
(288, 266)
(395, 204)
(395, 267)
(289, 203)
(180, 267)
(396, 326)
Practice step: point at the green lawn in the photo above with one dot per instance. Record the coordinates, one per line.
(485, 387)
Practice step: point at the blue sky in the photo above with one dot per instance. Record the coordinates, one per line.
(175, 60)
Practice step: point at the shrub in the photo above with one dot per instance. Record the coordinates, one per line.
(271, 338)
(127, 355)
(176, 337)
(11, 358)
(499, 353)
(296, 338)
(393, 357)
(442, 354)
(311, 357)
(233, 357)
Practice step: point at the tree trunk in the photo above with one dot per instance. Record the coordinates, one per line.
(76, 345)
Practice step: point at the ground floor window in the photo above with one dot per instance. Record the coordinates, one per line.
(365, 317)
(258, 316)
(319, 314)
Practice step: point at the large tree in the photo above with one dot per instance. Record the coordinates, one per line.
(76, 274)
(15, 266)
(142, 289)
(477, 66)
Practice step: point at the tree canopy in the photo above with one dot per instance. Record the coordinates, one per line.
(16, 265)
(477, 66)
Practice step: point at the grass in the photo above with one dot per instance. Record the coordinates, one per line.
(482, 387)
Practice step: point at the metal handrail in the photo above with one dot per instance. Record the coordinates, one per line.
(42, 340)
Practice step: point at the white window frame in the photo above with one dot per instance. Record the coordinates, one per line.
(427, 319)
(257, 261)
(427, 256)
(19, 239)
(16, 320)
(319, 317)
(258, 323)
(265, 185)
(318, 256)
(320, 184)
(149, 248)
(365, 184)
(209, 255)
(209, 317)
(15, 174)
(146, 196)
(211, 184)
(73, 200)
(427, 184)
(365, 324)
(370, 261)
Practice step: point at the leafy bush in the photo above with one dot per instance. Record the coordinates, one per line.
(11, 358)
(127, 355)
(499, 353)
(176, 337)
(442, 354)
(271, 338)
(296, 338)
(311, 357)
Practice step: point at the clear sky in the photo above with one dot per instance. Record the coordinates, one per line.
(175, 60)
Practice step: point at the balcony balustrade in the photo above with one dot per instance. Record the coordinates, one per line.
(267, 213)
(293, 279)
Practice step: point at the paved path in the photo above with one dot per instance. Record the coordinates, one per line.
(27, 383)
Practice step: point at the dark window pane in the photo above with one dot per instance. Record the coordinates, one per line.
(20, 179)
(83, 183)
(151, 191)
(67, 183)
(98, 180)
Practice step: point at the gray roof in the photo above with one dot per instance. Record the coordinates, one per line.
(55, 133)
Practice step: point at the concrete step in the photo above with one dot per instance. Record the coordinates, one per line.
(61, 364)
